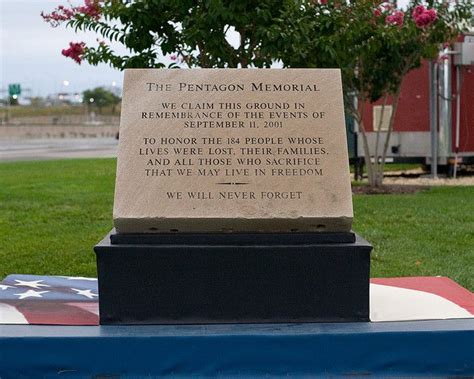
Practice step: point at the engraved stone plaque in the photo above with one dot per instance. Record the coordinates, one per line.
(232, 150)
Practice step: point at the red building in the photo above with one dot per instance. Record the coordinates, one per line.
(411, 136)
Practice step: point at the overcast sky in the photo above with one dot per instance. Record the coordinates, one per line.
(30, 51)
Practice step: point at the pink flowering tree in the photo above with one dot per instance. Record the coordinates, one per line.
(190, 33)
(375, 44)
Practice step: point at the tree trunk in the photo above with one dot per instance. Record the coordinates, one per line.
(377, 164)
(387, 137)
(367, 156)
(359, 115)
(375, 169)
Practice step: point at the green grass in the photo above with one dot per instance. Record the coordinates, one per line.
(429, 233)
(52, 213)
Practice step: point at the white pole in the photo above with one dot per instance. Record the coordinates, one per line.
(458, 118)
(434, 118)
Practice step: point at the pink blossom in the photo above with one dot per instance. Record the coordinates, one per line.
(377, 12)
(432, 14)
(323, 2)
(57, 16)
(91, 8)
(173, 57)
(424, 17)
(396, 18)
(419, 10)
(75, 51)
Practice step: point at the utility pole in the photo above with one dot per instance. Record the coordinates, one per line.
(434, 117)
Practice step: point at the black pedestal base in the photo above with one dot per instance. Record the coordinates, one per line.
(238, 278)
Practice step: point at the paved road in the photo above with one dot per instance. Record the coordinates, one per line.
(42, 149)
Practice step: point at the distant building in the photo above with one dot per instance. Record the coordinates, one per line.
(411, 137)
(64, 98)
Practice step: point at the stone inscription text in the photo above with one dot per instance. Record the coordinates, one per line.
(236, 160)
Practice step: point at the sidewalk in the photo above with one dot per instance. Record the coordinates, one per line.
(44, 149)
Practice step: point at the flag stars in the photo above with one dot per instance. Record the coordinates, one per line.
(87, 293)
(31, 283)
(30, 293)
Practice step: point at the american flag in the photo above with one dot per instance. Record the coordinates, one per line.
(64, 300)
(49, 300)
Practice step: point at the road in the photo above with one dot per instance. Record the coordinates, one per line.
(44, 149)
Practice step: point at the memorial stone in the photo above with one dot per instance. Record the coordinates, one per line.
(233, 201)
(232, 151)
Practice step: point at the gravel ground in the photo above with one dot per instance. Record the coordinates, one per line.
(427, 181)
(411, 181)
(418, 177)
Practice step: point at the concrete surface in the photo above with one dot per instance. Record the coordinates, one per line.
(22, 132)
(43, 149)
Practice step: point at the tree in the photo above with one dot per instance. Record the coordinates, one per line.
(375, 45)
(99, 98)
(13, 100)
(194, 32)
(37, 101)
(372, 42)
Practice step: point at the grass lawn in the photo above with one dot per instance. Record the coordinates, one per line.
(53, 212)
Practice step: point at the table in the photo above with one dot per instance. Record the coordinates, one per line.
(426, 348)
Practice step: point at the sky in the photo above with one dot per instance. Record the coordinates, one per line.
(30, 52)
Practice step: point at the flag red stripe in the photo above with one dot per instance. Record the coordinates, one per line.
(440, 286)
(55, 313)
